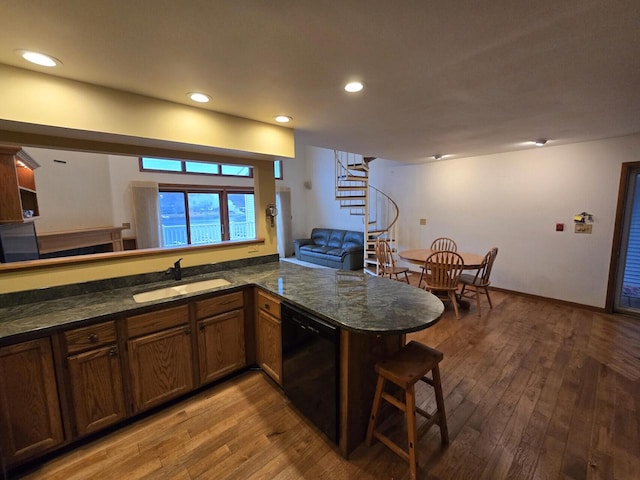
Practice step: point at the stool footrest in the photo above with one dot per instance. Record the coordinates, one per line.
(394, 401)
(393, 446)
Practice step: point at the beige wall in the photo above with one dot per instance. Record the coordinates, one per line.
(36, 102)
(46, 111)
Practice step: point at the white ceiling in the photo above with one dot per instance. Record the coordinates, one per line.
(457, 77)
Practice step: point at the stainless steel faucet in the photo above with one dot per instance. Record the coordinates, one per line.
(176, 270)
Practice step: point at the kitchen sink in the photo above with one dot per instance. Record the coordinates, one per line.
(176, 290)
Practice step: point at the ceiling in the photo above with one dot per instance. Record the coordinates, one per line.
(442, 77)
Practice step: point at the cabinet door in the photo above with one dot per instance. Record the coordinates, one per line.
(221, 345)
(269, 345)
(96, 387)
(30, 419)
(161, 366)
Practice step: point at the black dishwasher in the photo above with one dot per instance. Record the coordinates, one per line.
(310, 362)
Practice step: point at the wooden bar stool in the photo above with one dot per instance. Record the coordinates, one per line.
(404, 369)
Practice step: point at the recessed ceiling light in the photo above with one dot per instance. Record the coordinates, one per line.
(282, 118)
(39, 58)
(541, 142)
(353, 87)
(199, 97)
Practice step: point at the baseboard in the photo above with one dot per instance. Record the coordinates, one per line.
(549, 299)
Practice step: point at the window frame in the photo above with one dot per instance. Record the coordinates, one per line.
(222, 191)
(183, 170)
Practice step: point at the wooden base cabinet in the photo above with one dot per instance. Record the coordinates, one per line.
(221, 337)
(269, 336)
(96, 389)
(30, 419)
(160, 363)
(95, 377)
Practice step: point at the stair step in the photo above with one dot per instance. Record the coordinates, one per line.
(352, 206)
(350, 197)
(349, 188)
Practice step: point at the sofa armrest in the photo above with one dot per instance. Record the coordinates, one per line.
(355, 248)
(297, 243)
(353, 259)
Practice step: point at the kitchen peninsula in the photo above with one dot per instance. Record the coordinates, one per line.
(371, 313)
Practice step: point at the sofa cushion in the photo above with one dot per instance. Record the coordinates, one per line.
(352, 239)
(320, 236)
(322, 250)
(335, 239)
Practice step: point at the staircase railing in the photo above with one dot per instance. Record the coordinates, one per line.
(380, 212)
(383, 223)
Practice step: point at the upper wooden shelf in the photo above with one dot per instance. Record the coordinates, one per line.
(18, 199)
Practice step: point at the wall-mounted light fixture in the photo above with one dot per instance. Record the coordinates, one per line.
(271, 212)
(541, 142)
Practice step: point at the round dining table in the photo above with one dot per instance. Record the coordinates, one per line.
(472, 261)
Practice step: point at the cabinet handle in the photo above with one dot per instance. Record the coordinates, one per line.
(113, 352)
(93, 338)
(187, 331)
(267, 306)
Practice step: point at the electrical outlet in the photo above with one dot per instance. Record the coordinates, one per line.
(423, 221)
(126, 225)
(583, 228)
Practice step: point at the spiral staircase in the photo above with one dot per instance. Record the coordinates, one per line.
(354, 193)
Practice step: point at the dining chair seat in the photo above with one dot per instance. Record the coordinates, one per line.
(439, 244)
(386, 262)
(474, 285)
(442, 274)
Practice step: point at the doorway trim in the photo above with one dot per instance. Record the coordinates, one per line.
(623, 194)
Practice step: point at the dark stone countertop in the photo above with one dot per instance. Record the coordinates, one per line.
(352, 300)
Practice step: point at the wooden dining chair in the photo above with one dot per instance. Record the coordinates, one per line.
(439, 244)
(478, 284)
(386, 262)
(442, 271)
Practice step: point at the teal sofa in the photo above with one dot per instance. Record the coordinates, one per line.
(342, 249)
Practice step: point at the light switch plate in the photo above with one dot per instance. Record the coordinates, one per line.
(583, 228)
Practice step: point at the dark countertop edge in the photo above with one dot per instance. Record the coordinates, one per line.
(23, 297)
(153, 305)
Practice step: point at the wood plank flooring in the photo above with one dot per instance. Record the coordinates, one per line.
(532, 390)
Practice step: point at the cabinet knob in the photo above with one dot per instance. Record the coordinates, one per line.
(93, 338)
(267, 306)
(113, 352)
(202, 326)
(187, 331)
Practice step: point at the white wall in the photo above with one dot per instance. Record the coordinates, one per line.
(512, 201)
(71, 195)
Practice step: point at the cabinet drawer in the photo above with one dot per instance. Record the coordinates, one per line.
(219, 304)
(268, 303)
(91, 336)
(157, 321)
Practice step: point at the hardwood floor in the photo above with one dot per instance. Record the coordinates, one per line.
(532, 390)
